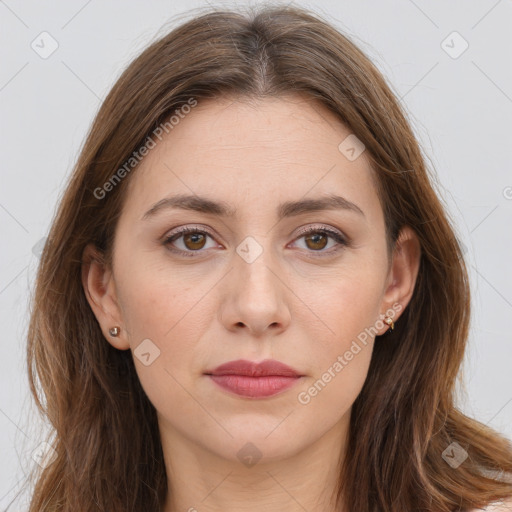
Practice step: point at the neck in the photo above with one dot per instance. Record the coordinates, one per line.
(256, 477)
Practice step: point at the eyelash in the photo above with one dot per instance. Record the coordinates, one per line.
(342, 242)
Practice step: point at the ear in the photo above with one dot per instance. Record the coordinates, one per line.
(402, 275)
(99, 288)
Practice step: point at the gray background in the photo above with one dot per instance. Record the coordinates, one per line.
(460, 109)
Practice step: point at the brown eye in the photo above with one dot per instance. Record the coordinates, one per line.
(316, 241)
(194, 241)
(188, 241)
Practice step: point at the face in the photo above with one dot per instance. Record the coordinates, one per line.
(255, 282)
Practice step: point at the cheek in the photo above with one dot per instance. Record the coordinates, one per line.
(349, 308)
(341, 358)
(347, 302)
(156, 299)
(331, 395)
(170, 308)
(161, 323)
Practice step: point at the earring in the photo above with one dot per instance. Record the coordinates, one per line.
(390, 322)
(114, 331)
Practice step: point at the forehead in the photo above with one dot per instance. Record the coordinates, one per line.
(262, 151)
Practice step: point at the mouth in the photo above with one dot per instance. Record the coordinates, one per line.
(254, 380)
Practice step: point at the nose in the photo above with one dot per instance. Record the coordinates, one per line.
(256, 299)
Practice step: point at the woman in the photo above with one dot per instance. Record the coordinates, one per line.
(251, 297)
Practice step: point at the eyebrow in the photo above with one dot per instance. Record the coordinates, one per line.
(222, 209)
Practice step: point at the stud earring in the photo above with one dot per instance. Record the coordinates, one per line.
(114, 331)
(390, 322)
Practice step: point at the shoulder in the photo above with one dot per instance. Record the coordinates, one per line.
(499, 506)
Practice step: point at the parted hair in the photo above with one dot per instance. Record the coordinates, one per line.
(104, 428)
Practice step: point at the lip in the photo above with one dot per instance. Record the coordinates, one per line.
(254, 380)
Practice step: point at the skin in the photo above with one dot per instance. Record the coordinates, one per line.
(289, 304)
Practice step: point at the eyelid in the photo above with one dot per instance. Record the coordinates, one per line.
(187, 228)
(320, 227)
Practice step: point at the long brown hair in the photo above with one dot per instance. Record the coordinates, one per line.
(104, 428)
